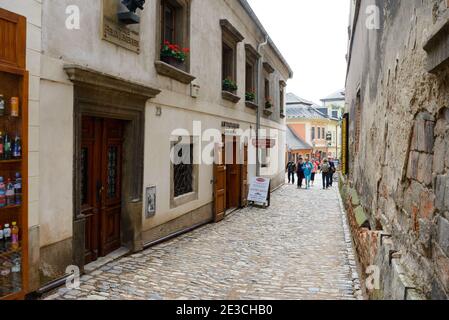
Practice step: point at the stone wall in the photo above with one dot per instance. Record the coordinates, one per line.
(400, 172)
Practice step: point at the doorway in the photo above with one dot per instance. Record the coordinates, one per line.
(233, 175)
(101, 184)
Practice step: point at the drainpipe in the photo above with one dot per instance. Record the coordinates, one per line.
(259, 91)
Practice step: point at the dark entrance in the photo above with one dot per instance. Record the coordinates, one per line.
(233, 175)
(101, 172)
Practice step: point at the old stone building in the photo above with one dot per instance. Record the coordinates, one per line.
(397, 187)
(108, 107)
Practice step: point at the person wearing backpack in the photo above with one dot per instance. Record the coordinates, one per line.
(307, 168)
(325, 171)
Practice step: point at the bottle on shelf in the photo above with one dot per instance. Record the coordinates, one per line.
(18, 189)
(10, 199)
(14, 236)
(7, 234)
(2, 238)
(2, 105)
(2, 146)
(7, 147)
(14, 106)
(17, 148)
(2, 193)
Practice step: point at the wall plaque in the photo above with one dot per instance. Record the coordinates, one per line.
(121, 36)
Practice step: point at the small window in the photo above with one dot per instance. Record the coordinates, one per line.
(228, 63)
(323, 130)
(169, 22)
(183, 171)
(251, 73)
(319, 133)
(267, 90)
(230, 38)
(265, 157)
(313, 133)
(335, 114)
(281, 100)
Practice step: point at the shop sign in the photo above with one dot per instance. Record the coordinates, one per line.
(121, 36)
(259, 191)
(264, 143)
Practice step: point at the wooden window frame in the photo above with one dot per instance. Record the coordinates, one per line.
(252, 57)
(182, 28)
(231, 37)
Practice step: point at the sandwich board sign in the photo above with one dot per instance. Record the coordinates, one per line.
(259, 191)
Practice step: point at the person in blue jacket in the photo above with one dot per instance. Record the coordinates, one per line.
(307, 168)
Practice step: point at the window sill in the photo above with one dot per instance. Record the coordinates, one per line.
(251, 105)
(230, 96)
(436, 45)
(167, 70)
(268, 112)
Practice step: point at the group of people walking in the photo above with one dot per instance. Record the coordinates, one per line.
(306, 171)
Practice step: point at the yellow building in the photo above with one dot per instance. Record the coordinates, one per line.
(313, 126)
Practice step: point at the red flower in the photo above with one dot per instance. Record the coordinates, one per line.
(186, 50)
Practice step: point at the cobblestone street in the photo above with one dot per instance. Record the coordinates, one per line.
(297, 249)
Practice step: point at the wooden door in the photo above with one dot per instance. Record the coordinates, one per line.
(244, 178)
(101, 167)
(219, 183)
(111, 186)
(233, 179)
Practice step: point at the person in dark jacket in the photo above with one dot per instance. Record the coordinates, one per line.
(331, 172)
(300, 172)
(291, 170)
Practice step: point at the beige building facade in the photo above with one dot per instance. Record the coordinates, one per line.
(107, 110)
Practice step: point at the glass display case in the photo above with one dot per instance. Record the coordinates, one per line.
(13, 157)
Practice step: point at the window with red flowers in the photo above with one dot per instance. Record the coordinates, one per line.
(174, 33)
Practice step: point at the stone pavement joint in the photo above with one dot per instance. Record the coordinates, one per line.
(299, 248)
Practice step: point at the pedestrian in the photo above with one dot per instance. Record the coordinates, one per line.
(325, 168)
(291, 170)
(300, 172)
(307, 168)
(331, 172)
(314, 171)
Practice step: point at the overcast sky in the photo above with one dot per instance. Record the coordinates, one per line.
(312, 36)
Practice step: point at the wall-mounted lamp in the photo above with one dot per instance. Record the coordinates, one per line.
(158, 111)
(131, 17)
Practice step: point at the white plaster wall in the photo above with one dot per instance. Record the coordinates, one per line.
(179, 110)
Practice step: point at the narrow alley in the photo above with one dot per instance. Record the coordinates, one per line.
(297, 249)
